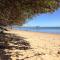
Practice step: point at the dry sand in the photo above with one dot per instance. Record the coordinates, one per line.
(44, 46)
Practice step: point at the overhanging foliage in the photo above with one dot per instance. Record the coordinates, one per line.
(16, 11)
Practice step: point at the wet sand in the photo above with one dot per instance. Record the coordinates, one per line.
(43, 46)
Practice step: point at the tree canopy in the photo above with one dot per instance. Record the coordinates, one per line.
(17, 11)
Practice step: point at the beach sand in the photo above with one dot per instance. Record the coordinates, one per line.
(43, 46)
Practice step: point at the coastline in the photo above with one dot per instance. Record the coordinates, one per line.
(41, 32)
(33, 31)
(50, 30)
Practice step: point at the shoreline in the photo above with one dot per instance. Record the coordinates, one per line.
(48, 30)
(41, 32)
(36, 32)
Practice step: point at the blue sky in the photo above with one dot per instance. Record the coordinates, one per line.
(45, 20)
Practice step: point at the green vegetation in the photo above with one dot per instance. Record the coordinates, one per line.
(17, 11)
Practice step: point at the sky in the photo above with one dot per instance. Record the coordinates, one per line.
(45, 20)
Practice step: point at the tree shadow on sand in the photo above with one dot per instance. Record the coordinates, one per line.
(10, 42)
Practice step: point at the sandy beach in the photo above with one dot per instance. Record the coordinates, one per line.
(43, 46)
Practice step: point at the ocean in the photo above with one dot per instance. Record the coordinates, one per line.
(55, 30)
